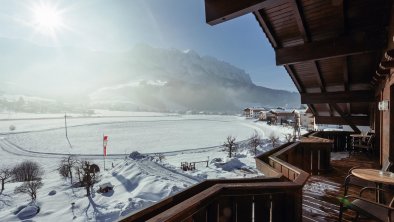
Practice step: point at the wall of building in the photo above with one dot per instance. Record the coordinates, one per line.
(385, 120)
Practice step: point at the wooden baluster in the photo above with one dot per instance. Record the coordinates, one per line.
(244, 209)
(279, 208)
(306, 160)
(315, 161)
(325, 158)
(212, 212)
(262, 208)
(299, 157)
(200, 216)
(293, 206)
(227, 209)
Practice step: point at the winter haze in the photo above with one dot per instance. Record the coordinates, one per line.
(142, 78)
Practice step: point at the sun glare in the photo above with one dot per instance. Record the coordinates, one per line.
(47, 19)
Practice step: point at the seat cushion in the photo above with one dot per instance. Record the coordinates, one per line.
(370, 210)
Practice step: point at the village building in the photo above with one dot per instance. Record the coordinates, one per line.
(308, 120)
(263, 115)
(254, 112)
(247, 112)
(280, 116)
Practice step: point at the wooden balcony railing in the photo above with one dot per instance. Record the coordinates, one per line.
(276, 197)
(341, 139)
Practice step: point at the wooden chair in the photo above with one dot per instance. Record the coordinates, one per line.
(364, 143)
(368, 208)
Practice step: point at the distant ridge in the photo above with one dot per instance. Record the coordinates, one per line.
(143, 78)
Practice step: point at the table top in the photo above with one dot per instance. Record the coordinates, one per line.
(373, 175)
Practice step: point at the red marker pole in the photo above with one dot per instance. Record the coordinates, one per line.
(105, 141)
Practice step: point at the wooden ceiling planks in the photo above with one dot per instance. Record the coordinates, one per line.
(306, 74)
(362, 67)
(324, 20)
(331, 71)
(284, 25)
(325, 46)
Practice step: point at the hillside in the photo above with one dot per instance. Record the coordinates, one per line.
(143, 78)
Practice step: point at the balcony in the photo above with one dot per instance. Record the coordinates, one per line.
(301, 184)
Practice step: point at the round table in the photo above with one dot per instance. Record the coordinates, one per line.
(376, 176)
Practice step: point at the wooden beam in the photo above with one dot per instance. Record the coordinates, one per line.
(330, 109)
(346, 80)
(338, 97)
(382, 72)
(295, 78)
(269, 31)
(358, 120)
(313, 109)
(342, 7)
(343, 46)
(320, 79)
(346, 74)
(218, 11)
(347, 119)
(387, 64)
(299, 17)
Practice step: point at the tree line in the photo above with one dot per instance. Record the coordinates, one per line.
(81, 173)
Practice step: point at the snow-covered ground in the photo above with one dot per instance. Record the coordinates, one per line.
(138, 182)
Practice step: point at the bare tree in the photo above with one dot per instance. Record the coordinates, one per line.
(27, 171)
(87, 174)
(30, 188)
(66, 167)
(230, 145)
(254, 141)
(5, 176)
(160, 156)
(274, 139)
(289, 137)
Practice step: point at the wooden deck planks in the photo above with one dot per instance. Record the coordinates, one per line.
(321, 192)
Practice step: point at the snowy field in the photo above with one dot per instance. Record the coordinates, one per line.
(126, 134)
(138, 182)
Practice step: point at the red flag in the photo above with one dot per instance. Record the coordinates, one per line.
(105, 141)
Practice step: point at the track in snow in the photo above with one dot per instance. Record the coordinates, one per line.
(14, 149)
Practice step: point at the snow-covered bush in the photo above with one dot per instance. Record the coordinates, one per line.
(216, 160)
(136, 155)
(28, 212)
(12, 127)
(231, 165)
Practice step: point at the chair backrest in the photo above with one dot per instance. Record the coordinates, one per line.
(388, 166)
(370, 139)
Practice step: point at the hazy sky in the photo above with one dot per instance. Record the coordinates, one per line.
(118, 25)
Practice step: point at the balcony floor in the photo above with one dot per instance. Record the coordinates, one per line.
(321, 192)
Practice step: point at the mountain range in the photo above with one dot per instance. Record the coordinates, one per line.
(143, 78)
